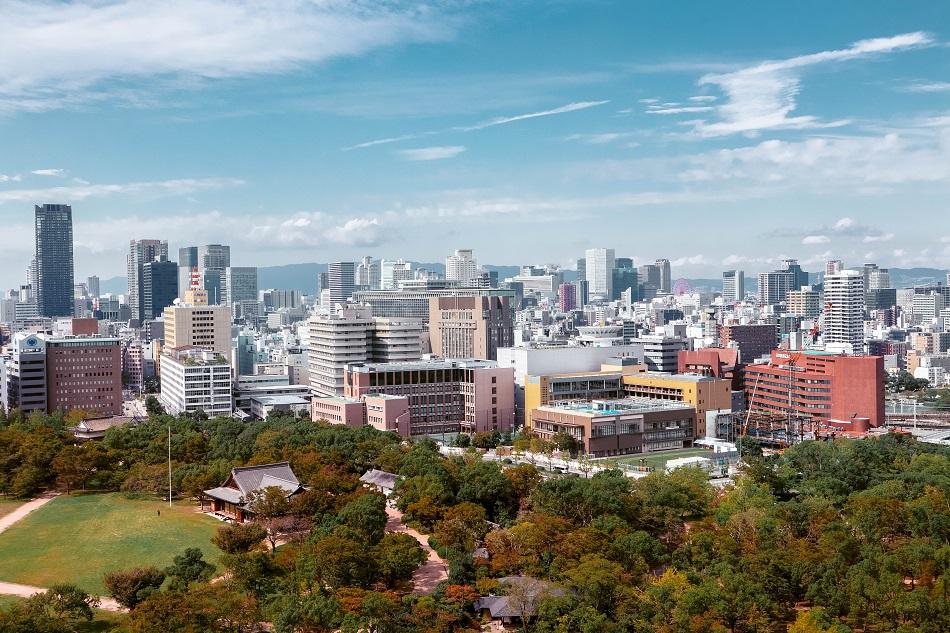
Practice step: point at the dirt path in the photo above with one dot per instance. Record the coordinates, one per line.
(25, 591)
(21, 512)
(434, 570)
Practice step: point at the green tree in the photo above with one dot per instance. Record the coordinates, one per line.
(367, 515)
(269, 506)
(397, 557)
(132, 586)
(239, 538)
(64, 603)
(187, 568)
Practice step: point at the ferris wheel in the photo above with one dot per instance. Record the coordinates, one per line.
(682, 287)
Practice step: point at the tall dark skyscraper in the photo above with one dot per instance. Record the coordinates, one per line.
(159, 287)
(54, 260)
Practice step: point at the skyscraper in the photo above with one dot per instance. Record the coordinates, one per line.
(140, 253)
(54, 260)
(774, 286)
(733, 286)
(461, 266)
(800, 276)
(159, 287)
(341, 281)
(187, 262)
(92, 286)
(368, 273)
(833, 267)
(844, 309)
(213, 260)
(600, 266)
(666, 275)
(240, 284)
(392, 272)
(567, 297)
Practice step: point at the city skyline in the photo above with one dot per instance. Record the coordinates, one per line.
(426, 129)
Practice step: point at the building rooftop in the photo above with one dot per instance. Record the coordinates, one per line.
(599, 408)
(278, 400)
(448, 363)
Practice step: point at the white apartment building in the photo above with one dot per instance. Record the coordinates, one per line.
(600, 268)
(392, 272)
(733, 286)
(461, 266)
(195, 379)
(844, 309)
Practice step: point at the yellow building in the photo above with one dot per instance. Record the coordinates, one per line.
(704, 393)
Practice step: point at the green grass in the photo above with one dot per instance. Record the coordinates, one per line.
(658, 460)
(9, 505)
(78, 538)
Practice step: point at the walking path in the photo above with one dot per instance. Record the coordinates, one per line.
(434, 570)
(25, 591)
(25, 509)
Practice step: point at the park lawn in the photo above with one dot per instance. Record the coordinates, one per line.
(78, 538)
(9, 505)
(658, 460)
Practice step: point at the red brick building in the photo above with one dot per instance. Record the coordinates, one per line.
(84, 373)
(844, 392)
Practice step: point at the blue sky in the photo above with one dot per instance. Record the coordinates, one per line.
(718, 135)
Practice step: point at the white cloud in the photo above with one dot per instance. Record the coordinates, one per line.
(59, 53)
(432, 153)
(692, 260)
(930, 86)
(844, 223)
(763, 96)
(816, 239)
(702, 98)
(598, 139)
(899, 252)
(677, 109)
(6, 178)
(160, 188)
(503, 120)
(382, 141)
(883, 237)
(49, 172)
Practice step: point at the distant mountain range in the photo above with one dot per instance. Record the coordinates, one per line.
(303, 277)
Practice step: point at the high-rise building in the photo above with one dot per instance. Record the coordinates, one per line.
(195, 379)
(833, 267)
(92, 286)
(461, 266)
(213, 261)
(624, 278)
(666, 275)
(752, 340)
(369, 273)
(733, 286)
(470, 327)
(800, 276)
(140, 253)
(774, 286)
(844, 309)
(567, 297)
(240, 284)
(582, 269)
(197, 325)
(54, 260)
(805, 303)
(341, 281)
(159, 287)
(187, 264)
(599, 270)
(392, 272)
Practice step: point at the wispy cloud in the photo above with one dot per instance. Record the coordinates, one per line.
(598, 138)
(504, 120)
(8, 178)
(160, 188)
(675, 108)
(815, 239)
(49, 172)
(927, 86)
(432, 153)
(763, 96)
(383, 141)
(54, 54)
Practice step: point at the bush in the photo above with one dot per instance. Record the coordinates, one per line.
(131, 587)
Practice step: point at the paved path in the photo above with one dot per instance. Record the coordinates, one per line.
(18, 514)
(434, 570)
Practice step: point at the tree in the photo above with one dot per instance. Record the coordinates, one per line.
(367, 515)
(523, 478)
(152, 406)
(187, 568)
(566, 442)
(462, 527)
(65, 603)
(73, 466)
(397, 557)
(462, 440)
(336, 561)
(486, 439)
(239, 538)
(269, 506)
(131, 587)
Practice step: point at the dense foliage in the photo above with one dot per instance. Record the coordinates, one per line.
(828, 537)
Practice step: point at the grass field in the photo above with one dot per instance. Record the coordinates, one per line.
(658, 460)
(9, 505)
(78, 538)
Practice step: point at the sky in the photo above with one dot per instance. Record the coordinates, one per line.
(717, 135)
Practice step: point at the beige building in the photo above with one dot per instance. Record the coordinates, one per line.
(804, 303)
(198, 325)
(470, 327)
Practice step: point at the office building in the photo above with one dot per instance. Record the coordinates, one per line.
(158, 288)
(832, 390)
(187, 265)
(702, 393)
(660, 351)
(369, 274)
(800, 276)
(627, 426)
(24, 374)
(240, 284)
(599, 266)
(275, 299)
(844, 310)
(805, 303)
(445, 396)
(85, 373)
(470, 327)
(140, 253)
(876, 278)
(198, 325)
(412, 302)
(392, 272)
(833, 267)
(461, 266)
(92, 286)
(340, 277)
(775, 286)
(350, 334)
(928, 305)
(53, 274)
(751, 340)
(733, 286)
(625, 279)
(213, 261)
(195, 379)
(567, 297)
(666, 275)
(582, 269)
